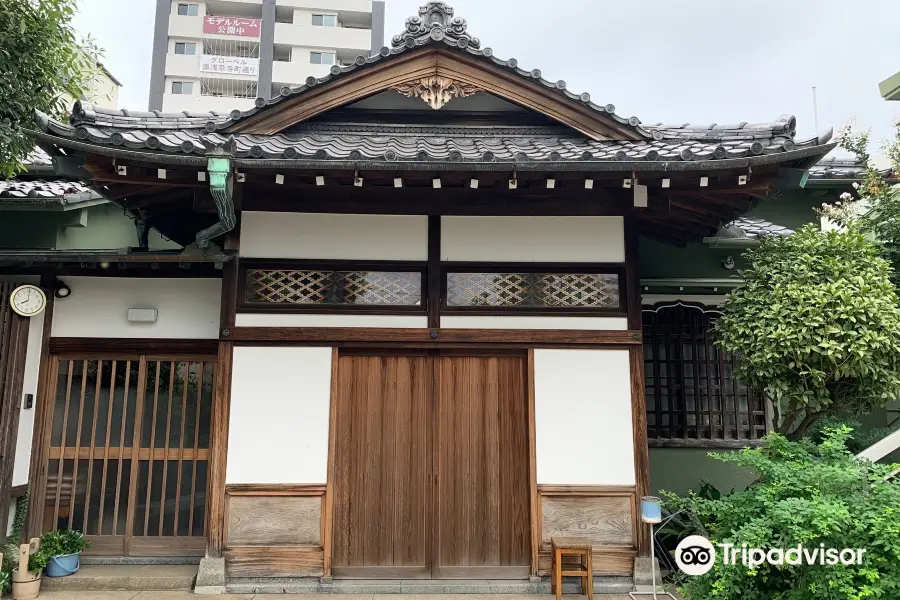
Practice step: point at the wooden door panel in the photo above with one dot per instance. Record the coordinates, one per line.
(381, 465)
(482, 510)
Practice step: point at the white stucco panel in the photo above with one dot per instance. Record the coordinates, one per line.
(329, 236)
(533, 239)
(98, 307)
(583, 417)
(280, 402)
(29, 386)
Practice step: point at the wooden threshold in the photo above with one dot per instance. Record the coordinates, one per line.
(391, 572)
(432, 337)
(486, 572)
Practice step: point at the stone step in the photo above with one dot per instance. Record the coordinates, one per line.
(261, 585)
(124, 577)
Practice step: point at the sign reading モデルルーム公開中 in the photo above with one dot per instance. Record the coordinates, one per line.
(239, 26)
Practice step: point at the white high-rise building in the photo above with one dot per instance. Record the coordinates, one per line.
(223, 54)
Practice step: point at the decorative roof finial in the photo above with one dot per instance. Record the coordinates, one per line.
(435, 22)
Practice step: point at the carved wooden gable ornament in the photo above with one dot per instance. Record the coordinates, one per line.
(436, 21)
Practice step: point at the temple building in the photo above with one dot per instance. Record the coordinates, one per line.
(401, 334)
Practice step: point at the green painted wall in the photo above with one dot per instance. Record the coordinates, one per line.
(681, 469)
(659, 260)
(100, 227)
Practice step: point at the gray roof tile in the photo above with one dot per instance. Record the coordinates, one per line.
(41, 189)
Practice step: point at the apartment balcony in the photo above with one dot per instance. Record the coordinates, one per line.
(182, 65)
(358, 41)
(296, 72)
(181, 26)
(199, 103)
(364, 6)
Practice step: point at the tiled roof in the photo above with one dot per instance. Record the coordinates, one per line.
(841, 168)
(187, 136)
(387, 143)
(752, 227)
(37, 157)
(40, 189)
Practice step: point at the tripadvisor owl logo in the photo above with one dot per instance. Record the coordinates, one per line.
(696, 555)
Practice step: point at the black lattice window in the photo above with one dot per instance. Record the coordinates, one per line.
(350, 288)
(533, 290)
(691, 393)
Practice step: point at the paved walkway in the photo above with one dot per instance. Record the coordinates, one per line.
(191, 596)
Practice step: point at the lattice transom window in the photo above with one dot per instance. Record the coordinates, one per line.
(304, 287)
(533, 290)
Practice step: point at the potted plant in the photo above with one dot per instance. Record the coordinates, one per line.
(26, 579)
(4, 577)
(63, 549)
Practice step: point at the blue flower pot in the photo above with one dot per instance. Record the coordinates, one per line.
(64, 565)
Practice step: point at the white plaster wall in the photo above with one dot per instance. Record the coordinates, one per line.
(588, 323)
(332, 320)
(328, 236)
(533, 239)
(29, 386)
(98, 307)
(280, 399)
(583, 417)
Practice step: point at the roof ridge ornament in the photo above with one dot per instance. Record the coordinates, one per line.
(435, 22)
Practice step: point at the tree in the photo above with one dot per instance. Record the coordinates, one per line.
(875, 206)
(815, 326)
(42, 67)
(809, 494)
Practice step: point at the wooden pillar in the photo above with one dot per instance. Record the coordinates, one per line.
(636, 363)
(43, 410)
(221, 412)
(13, 347)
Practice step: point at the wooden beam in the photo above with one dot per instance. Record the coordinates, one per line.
(636, 367)
(443, 201)
(13, 349)
(436, 337)
(43, 411)
(221, 411)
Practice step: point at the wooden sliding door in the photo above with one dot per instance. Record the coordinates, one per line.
(481, 444)
(382, 466)
(127, 453)
(431, 467)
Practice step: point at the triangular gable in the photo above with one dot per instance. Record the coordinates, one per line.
(435, 59)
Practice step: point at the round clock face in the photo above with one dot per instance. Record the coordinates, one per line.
(28, 300)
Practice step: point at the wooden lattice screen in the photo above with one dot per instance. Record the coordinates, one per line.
(690, 389)
(533, 290)
(13, 345)
(128, 452)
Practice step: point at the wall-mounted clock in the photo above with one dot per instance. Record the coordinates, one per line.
(28, 300)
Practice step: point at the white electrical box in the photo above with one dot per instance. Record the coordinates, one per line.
(142, 315)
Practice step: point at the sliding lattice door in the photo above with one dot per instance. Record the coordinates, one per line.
(128, 450)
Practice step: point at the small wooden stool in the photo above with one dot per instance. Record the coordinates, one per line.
(572, 546)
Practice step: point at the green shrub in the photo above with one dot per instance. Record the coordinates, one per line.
(62, 542)
(815, 326)
(808, 494)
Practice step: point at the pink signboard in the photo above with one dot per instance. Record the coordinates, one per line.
(231, 26)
